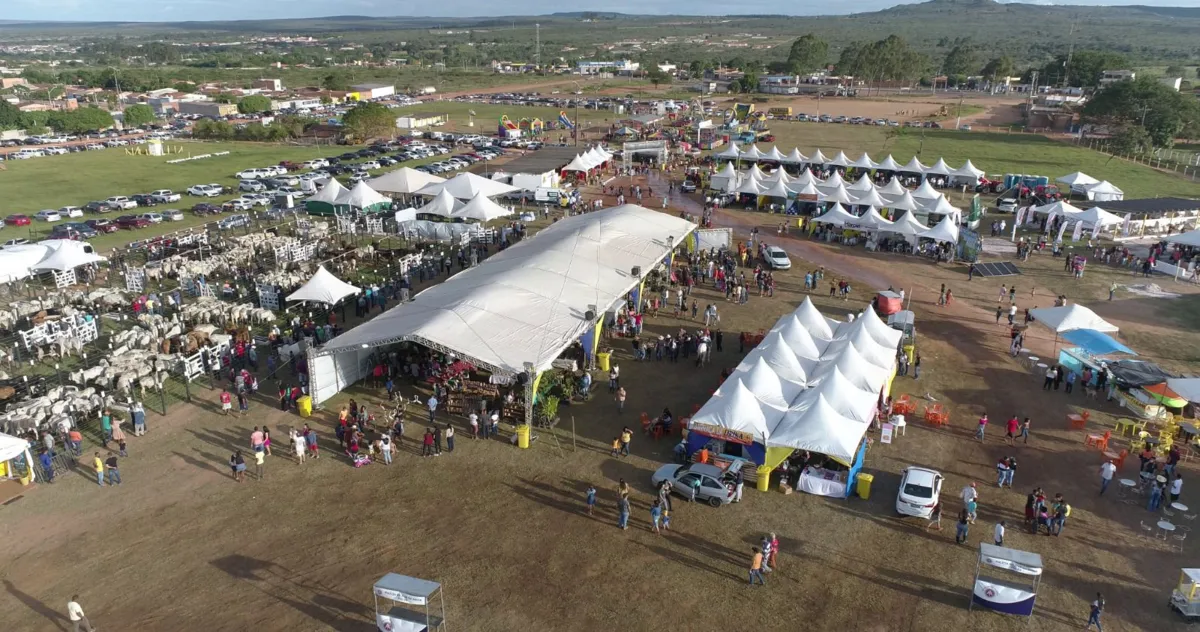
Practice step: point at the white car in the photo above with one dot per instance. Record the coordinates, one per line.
(121, 202)
(919, 491)
(153, 218)
(251, 186)
(48, 215)
(205, 190)
(239, 204)
(1007, 205)
(296, 193)
(70, 211)
(370, 164)
(174, 215)
(259, 199)
(251, 174)
(165, 196)
(777, 259)
(315, 164)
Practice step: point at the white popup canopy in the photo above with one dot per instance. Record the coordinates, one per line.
(1070, 318)
(840, 160)
(774, 154)
(1078, 181)
(328, 193)
(1190, 238)
(66, 254)
(578, 163)
(908, 225)
(1104, 192)
(323, 287)
(730, 153)
(465, 186)
(752, 154)
(1098, 217)
(889, 164)
(946, 231)
(864, 162)
(939, 168)
(1058, 208)
(837, 215)
(795, 157)
(862, 184)
(361, 196)
(482, 208)
(913, 166)
(404, 180)
(968, 171)
(893, 187)
(818, 158)
(443, 204)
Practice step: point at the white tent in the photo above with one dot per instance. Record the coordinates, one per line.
(755, 173)
(483, 209)
(361, 196)
(840, 160)
(328, 193)
(765, 384)
(750, 186)
(728, 171)
(946, 231)
(1186, 387)
(864, 183)
(941, 206)
(842, 394)
(927, 191)
(779, 175)
(1070, 318)
(903, 202)
(465, 186)
(871, 350)
(875, 220)
(861, 372)
(888, 164)
(968, 171)
(913, 166)
(774, 154)
(775, 352)
(1098, 217)
(323, 287)
(12, 447)
(1104, 192)
(908, 225)
(735, 408)
(1190, 238)
(870, 198)
(17, 262)
(595, 157)
(725, 179)
(67, 255)
(526, 304)
(578, 163)
(893, 187)
(730, 153)
(812, 319)
(798, 339)
(837, 194)
(864, 162)
(777, 190)
(443, 204)
(834, 180)
(404, 180)
(795, 157)
(939, 168)
(1078, 181)
(879, 330)
(808, 192)
(1058, 208)
(818, 158)
(837, 215)
(806, 177)
(752, 154)
(821, 429)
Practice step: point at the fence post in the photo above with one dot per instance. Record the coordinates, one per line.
(162, 398)
(187, 388)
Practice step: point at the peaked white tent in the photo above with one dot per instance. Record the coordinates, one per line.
(1058, 208)
(766, 385)
(752, 154)
(68, 256)
(817, 325)
(889, 164)
(725, 179)
(795, 157)
(837, 194)
(926, 191)
(806, 177)
(946, 231)
(779, 175)
(840, 392)
(834, 180)
(465, 186)
(893, 187)
(836, 215)
(362, 196)
(870, 198)
(756, 173)
(750, 186)
(864, 162)
(443, 204)
(13, 447)
(777, 190)
(798, 339)
(939, 168)
(774, 154)
(913, 166)
(324, 288)
(808, 191)
(735, 408)
(968, 171)
(1078, 181)
(818, 158)
(730, 153)
(875, 220)
(578, 164)
(863, 183)
(775, 352)
(903, 202)
(840, 160)
(1104, 192)
(483, 209)
(1069, 318)
(404, 180)
(1098, 217)
(323, 200)
(823, 430)
(908, 225)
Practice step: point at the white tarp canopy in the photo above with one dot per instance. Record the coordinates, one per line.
(840, 160)
(1070, 318)
(946, 231)
(435, 231)
(927, 191)
(795, 157)
(730, 153)
(749, 186)
(834, 180)
(837, 194)
(756, 173)
(864, 162)
(16, 262)
(526, 304)
(752, 154)
(837, 215)
(728, 171)
(578, 164)
(774, 154)
(328, 193)
(779, 357)
(66, 254)
(1058, 208)
(893, 187)
(778, 190)
(1078, 181)
(323, 287)
(12, 447)
(806, 177)
(939, 168)
(908, 225)
(874, 219)
(864, 183)
(465, 186)
(968, 171)
(888, 164)
(820, 327)
(766, 385)
(798, 339)
(1104, 192)
(821, 429)
(361, 196)
(1186, 387)
(443, 205)
(1191, 238)
(1098, 217)
(482, 208)
(404, 180)
(779, 175)
(734, 407)
(818, 158)
(903, 202)
(808, 190)
(913, 166)
(870, 198)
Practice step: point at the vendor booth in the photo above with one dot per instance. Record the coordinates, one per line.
(1006, 580)
(15, 459)
(394, 594)
(1185, 599)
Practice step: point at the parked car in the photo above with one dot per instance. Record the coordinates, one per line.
(132, 221)
(173, 215)
(716, 486)
(86, 231)
(1007, 205)
(165, 196)
(103, 225)
(204, 208)
(777, 258)
(233, 221)
(205, 190)
(145, 199)
(48, 215)
(98, 207)
(70, 211)
(251, 174)
(121, 202)
(153, 218)
(237, 204)
(64, 232)
(919, 490)
(688, 186)
(20, 241)
(251, 186)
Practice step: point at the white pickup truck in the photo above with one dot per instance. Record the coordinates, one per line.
(165, 196)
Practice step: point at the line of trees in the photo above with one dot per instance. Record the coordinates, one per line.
(78, 121)
(282, 128)
(1142, 114)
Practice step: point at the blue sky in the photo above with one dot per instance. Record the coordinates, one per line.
(180, 10)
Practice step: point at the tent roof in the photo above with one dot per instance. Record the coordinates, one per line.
(328, 193)
(968, 170)
(361, 196)
(795, 157)
(728, 171)
(1078, 178)
(840, 160)
(766, 385)
(913, 166)
(578, 163)
(926, 190)
(813, 320)
(908, 224)
(818, 158)
(837, 194)
(1190, 238)
(774, 154)
(1058, 208)
(945, 231)
(889, 164)
(778, 189)
(775, 351)
(939, 168)
(465, 186)
(750, 186)
(863, 183)
(483, 209)
(735, 408)
(1187, 388)
(67, 255)
(893, 187)
(526, 304)
(870, 198)
(1095, 342)
(323, 287)
(1071, 317)
(403, 180)
(11, 447)
(806, 177)
(904, 202)
(798, 338)
(779, 175)
(807, 189)
(442, 204)
(1105, 187)
(756, 172)
(836, 215)
(731, 152)
(752, 154)
(417, 590)
(864, 162)
(841, 394)
(821, 429)
(873, 218)
(835, 179)
(1097, 216)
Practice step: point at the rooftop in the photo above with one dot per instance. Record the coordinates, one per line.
(541, 161)
(1150, 206)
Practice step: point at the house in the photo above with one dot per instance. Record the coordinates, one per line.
(1114, 76)
(598, 67)
(417, 120)
(207, 108)
(269, 85)
(365, 91)
(297, 103)
(10, 82)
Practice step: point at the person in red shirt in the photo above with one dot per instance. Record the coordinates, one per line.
(226, 402)
(1010, 432)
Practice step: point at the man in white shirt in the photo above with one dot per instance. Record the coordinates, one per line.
(969, 493)
(701, 353)
(432, 404)
(999, 535)
(75, 614)
(1106, 475)
(1176, 487)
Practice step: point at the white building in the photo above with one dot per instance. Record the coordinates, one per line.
(599, 67)
(417, 120)
(367, 91)
(284, 105)
(1114, 76)
(1172, 82)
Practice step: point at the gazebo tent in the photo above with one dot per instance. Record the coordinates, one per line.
(870, 198)
(1078, 181)
(403, 181)
(443, 205)
(321, 203)
(893, 187)
(752, 154)
(837, 194)
(362, 198)
(323, 288)
(779, 175)
(903, 202)
(724, 179)
(781, 359)
(807, 192)
(874, 219)
(805, 178)
(795, 157)
(774, 154)
(777, 190)
(864, 162)
(755, 173)
(939, 168)
(968, 171)
(1104, 192)
(750, 186)
(1097, 217)
(864, 183)
(1069, 318)
(946, 231)
(836, 215)
(888, 164)
(1190, 238)
(927, 191)
(729, 153)
(913, 166)
(15, 447)
(465, 186)
(820, 327)
(834, 180)
(482, 208)
(578, 164)
(908, 225)
(840, 160)
(822, 429)
(766, 385)
(818, 158)
(799, 340)
(1058, 208)
(68, 255)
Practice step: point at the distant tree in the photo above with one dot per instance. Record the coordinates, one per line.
(748, 82)
(1176, 71)
(183, 86)
(959, 61)
(847, 63)
(326, 100)
(657, 76)
(695, 68)
(225, 97)
(254, 104)
(335, 81)
(1161, 112)
(1130, 139)
(808, 53)
(370, 120)
(1084, 68)
(138, 115)
(209, 129)
(1198, 72)
(999, 67)
(10, 116)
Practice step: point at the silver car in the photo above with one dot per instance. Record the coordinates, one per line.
(715, 485)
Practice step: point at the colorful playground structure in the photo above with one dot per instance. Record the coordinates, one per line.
(521, 127)
(566, 122)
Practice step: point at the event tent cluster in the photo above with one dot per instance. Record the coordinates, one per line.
(812, 384)
(1094, 217)
(913, 166)
(521, 308)
(1095, 190)
(52, 255)
(335, 198)
(588, 160)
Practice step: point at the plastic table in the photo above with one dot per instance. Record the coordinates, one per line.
(1179, 507)
(1165, 527)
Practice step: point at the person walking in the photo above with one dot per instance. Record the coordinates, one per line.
(79, 620)
(106, 427)
(226, 402)
(626, 438)
(432, 403)
(591, 499)
(756, 566)
(1011, 429)
(267, 440)
(623, 512)
(310, 438)
(916, 366)
(962, 527)
(1106, 475)
(1025, 431)
(260, 458)
(655, 517)
(1051, 377)
(237, 463)
(1176, 487)
(114, 474)
(300, 446)
(998, 534)
(620, 399)
(449, 432)
(983, 422)
(1096, 609)
(935, 517)
(614, 378)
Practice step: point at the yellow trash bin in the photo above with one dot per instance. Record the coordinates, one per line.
(604, 361)
(864, 485)
(764, 479)
(304, 405)
(523, 436)
(909, 350)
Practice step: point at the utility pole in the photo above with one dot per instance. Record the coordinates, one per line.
(958, 121)
(1070, 53)
(537, 51)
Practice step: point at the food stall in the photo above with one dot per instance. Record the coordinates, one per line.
(1004, 594)
(905, 321)
(1185, 599)
(401, 591)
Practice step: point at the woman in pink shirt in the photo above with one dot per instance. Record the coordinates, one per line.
(983, 420)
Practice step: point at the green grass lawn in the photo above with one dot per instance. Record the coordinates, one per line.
(487, 116)
(996, 154)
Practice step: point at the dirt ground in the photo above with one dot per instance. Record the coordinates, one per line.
(180, 546)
